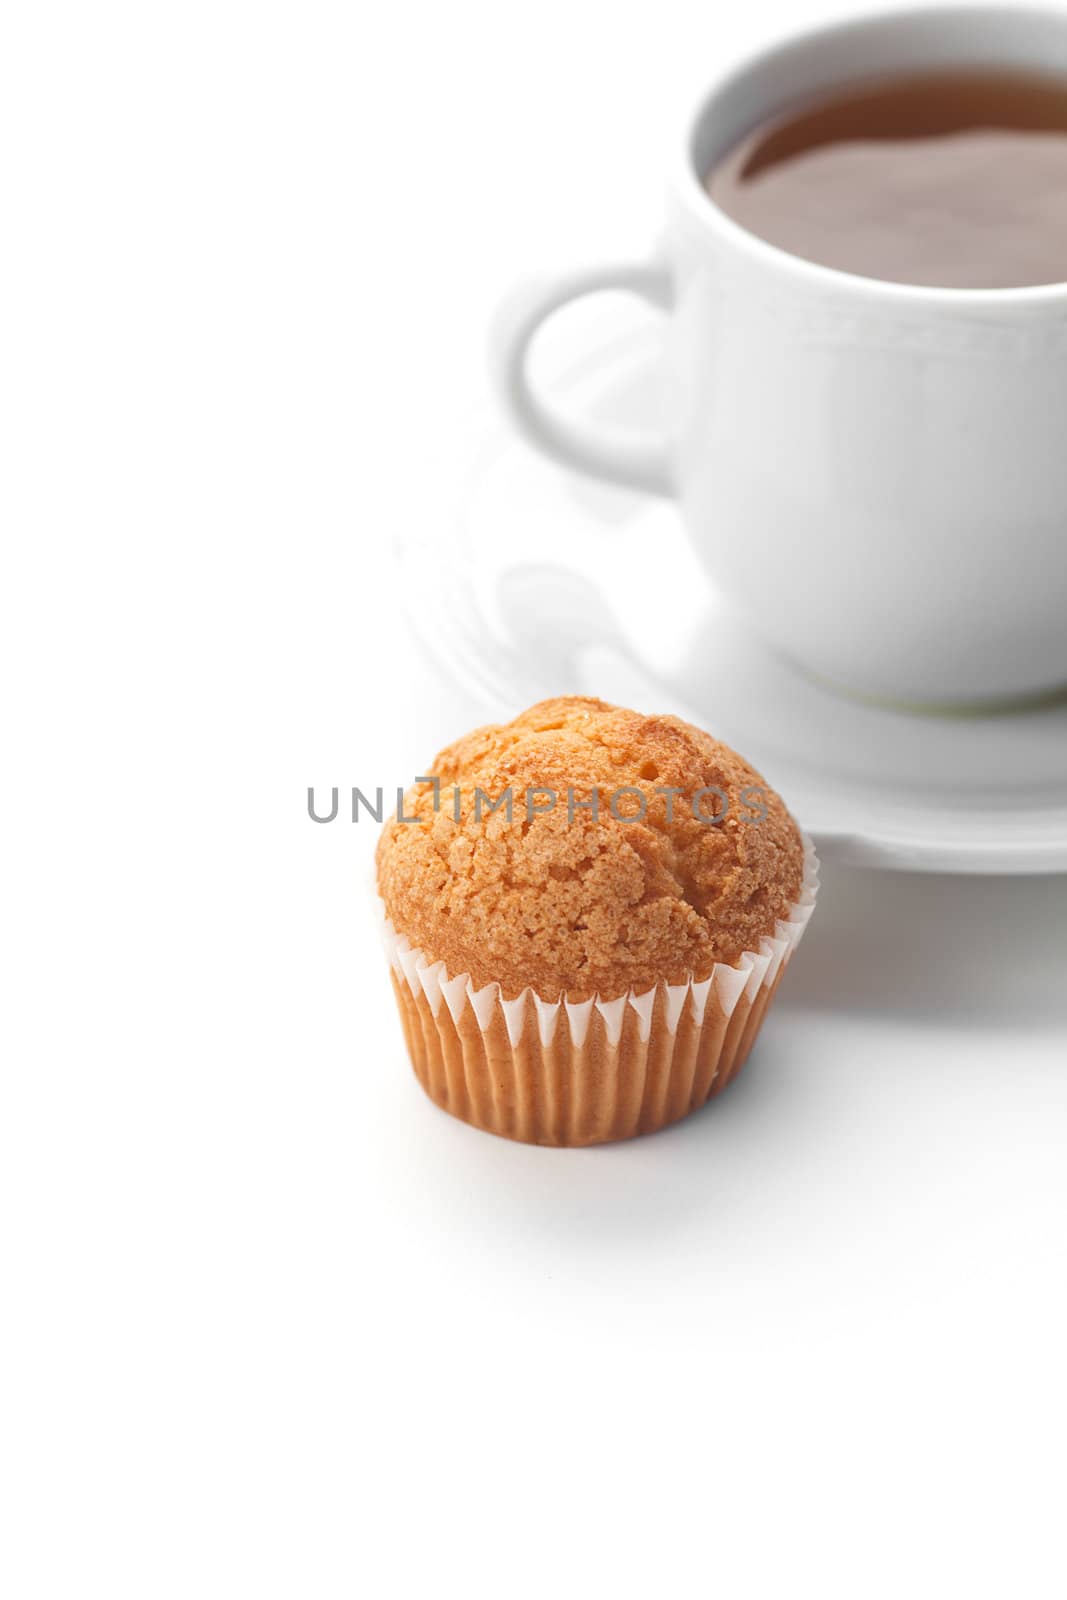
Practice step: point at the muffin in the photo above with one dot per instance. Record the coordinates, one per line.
(587, 912)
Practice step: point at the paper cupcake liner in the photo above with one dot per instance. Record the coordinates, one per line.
(578, 1073)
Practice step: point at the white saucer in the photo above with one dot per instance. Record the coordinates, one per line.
(555, 585)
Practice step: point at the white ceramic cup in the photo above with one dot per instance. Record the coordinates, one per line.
(875, 472)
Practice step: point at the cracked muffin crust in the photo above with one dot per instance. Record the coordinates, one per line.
(576, 904)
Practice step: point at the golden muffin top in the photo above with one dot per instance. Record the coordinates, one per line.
(688, 860)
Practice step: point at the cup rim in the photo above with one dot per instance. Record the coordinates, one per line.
(705, 209)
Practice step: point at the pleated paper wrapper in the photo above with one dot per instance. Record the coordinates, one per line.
(579, 1073)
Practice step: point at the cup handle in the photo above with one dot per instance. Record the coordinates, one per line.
(634, 463)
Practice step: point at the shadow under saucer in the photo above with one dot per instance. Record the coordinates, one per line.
(947, 949)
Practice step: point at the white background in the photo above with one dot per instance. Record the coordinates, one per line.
(273, 1325)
